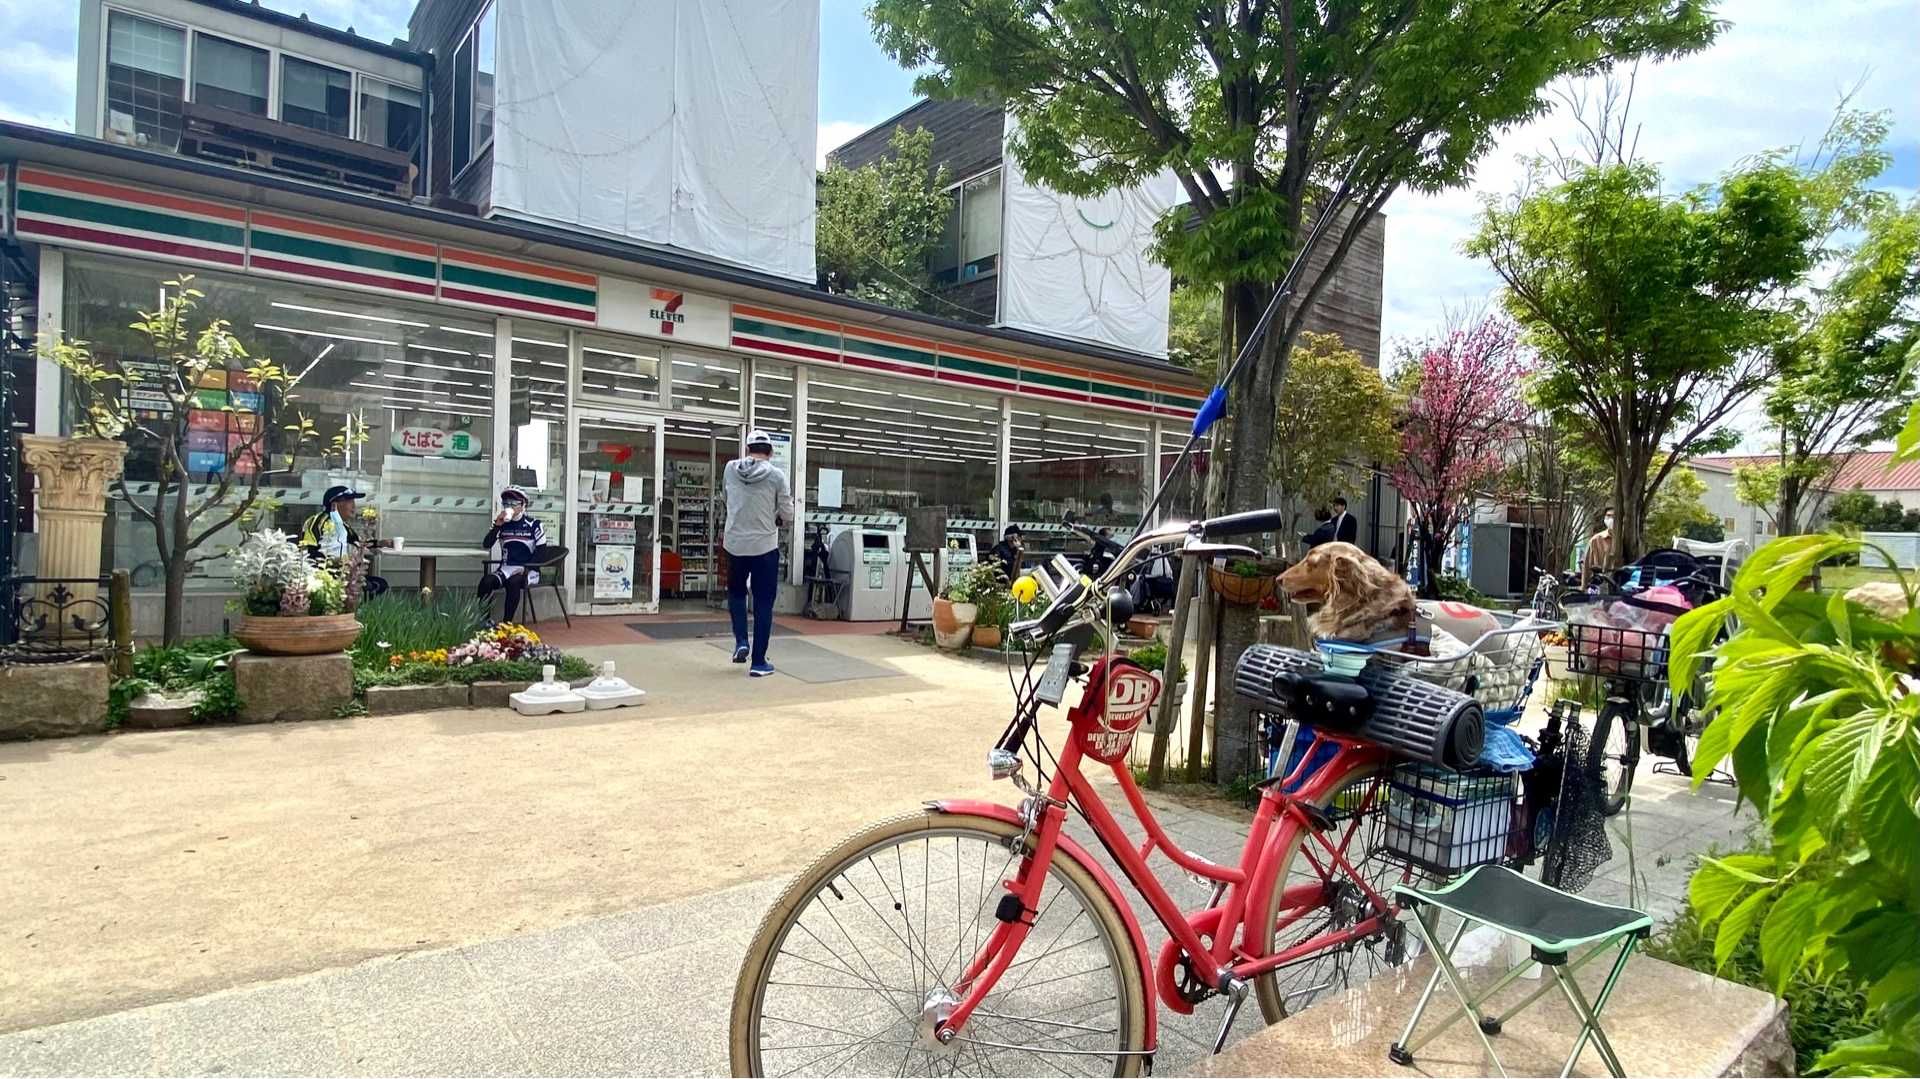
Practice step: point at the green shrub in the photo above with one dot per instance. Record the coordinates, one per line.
(1455, 589)
(396, 623)
(1153, 657)
(1821, 1012)
(435, 674)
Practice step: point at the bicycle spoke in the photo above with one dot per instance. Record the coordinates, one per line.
(862, 979)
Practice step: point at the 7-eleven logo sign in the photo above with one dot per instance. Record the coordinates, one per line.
(666, 308)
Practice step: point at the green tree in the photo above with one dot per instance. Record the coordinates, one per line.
(1193, 328)
(1653, 313)
(1269, 116)
(1678, 510)
(1335, 413)
(1849, 361)
(879, 223)
(1858, 511)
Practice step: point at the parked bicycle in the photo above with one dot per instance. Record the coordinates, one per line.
(979, 938)
(1632, 667)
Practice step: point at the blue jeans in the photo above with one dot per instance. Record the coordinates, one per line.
(762, 571)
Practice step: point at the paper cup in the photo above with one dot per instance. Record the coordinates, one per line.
(399, 543)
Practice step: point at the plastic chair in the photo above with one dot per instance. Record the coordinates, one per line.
(550, 564)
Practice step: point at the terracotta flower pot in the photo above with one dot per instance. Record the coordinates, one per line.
(1240, 590)
(953, 622)
(297, 635)
(986, 636)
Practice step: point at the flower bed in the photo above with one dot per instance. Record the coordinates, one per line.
(502, 653)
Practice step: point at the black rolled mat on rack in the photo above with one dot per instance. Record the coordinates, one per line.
(1412, 717)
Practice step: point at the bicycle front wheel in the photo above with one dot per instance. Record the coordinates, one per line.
(1615, 752)
(858, 963)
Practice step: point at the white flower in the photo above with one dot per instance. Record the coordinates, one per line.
(381, 644)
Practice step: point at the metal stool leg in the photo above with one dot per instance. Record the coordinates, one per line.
(1443, 961)
(1590, 1014)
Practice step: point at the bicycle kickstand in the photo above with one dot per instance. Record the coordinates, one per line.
(1236, 997)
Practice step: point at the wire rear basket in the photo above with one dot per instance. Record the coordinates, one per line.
(1635, 655)
(1498, 669)
(1447, 822)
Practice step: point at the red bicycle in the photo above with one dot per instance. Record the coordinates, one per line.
(974, 938)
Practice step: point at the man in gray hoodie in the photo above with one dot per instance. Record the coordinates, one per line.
(759, 502)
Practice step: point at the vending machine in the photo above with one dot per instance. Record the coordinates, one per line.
(868, 559)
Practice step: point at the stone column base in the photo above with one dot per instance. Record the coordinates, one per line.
(276, 688)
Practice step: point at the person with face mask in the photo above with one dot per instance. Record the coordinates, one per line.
(1603, 552)
(329, 534)
(519, 539)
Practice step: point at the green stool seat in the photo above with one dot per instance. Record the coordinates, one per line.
(1552, 921)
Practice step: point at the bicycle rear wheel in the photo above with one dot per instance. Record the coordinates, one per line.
(1615, 752)
(855, 966)
(1337, 903)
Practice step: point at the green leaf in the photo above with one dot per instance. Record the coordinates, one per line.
(1888, 819)
(1841, 619)
(1839, 761)
(1790, 927)
(1736, 925)
(1719, 881)
(1870, 1054)
(1692, 635)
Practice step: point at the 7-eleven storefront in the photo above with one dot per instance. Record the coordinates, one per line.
(473, 355)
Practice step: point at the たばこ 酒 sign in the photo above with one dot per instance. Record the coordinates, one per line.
(433, 442)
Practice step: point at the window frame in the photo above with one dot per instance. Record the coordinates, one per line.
(108, 11)
(271, 104)
(353, 94)
(464, 101)
(957, 191)
(275, 59)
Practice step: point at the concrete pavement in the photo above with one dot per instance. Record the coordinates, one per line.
(646, 991)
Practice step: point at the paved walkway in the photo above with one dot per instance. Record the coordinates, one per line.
(641, 992)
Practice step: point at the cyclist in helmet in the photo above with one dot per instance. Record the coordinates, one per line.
(518, 539)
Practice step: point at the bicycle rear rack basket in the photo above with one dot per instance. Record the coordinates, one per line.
(1447, 822)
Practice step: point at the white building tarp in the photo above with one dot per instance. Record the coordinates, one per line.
(687, 123)
(1079, 268)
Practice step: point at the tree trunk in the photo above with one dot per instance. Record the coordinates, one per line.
(1788, 519)
(1433, 549)
(1236, 741)
(1630, 502)
(176, 564)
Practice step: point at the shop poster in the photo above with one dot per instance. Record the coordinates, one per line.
(613, 572)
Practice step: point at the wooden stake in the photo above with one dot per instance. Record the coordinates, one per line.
(1163, 726)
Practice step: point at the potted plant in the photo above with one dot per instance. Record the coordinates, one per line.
(956, 610)
(1153, 658)
(292, 606)
(995, 605)
(1242, 581)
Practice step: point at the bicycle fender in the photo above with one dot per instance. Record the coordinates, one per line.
(1067, 845)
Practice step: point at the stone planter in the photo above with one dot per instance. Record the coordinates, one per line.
(297, 635)
(1179, 691)
(1242, 591)
(395, 700)
(70, 477)
(986, 636)
(953, 623)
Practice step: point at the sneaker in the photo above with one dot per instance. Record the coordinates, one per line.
(739, 653)
(760, 669)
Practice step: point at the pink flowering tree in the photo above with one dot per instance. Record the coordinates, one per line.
(1465, 404)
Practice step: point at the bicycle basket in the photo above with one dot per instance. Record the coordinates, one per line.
(1635, 655)
(1447, 822)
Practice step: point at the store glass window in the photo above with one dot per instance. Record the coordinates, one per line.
(416, 381)
(706, 381)
(473, 66)
(1186, 485)
(1067, 459)
(880, 447)
(316, 96)
(229, 75)
(773, 412)
(619, 369)
(146, 81)
(537, 396)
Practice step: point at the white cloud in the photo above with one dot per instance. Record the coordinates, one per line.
(832, 134)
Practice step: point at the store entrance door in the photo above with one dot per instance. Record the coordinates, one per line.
(615, 493)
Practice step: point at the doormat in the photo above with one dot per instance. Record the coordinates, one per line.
(696, 629)
(811, 663)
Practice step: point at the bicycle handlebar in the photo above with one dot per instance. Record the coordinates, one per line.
(1071, 591)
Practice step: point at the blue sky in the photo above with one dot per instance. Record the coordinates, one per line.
(1771, 81)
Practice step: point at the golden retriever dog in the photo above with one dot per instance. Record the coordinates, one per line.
(1360, 599)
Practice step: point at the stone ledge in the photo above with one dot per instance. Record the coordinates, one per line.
(394, 700)
(1662, 1020)
(53, 700)
(157, 711)
(278, 688)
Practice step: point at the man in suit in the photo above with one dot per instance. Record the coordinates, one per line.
(1346, 527)
(1322, 529)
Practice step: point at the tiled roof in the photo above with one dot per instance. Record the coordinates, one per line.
(1866, 469)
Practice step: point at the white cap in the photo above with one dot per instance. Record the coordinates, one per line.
(757, 437)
